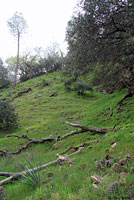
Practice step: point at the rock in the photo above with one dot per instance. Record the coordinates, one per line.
(110, 150)
(113, 187)
(122, 174)
(107, 157)
(113, 145)
(116, 166)
(122, 161)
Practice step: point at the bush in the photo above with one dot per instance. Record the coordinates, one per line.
(81, 86)
(68, 83)
(8, 118)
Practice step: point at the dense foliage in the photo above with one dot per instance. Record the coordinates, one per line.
(101, 33)
(82, 86)
(4, 82)
(32, 66)
(8, 118)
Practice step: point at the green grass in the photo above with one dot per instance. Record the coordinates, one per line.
(41, 116)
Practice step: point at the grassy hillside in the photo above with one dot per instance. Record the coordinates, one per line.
(42, 113)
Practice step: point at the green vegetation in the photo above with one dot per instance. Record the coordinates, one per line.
(43, 115)
(8, 117)
(75, 112)
(100, 39)
(4, 82)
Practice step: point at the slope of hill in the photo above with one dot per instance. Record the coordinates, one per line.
(103, 169)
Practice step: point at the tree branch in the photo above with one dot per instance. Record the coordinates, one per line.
(13, 176)
(85, 129)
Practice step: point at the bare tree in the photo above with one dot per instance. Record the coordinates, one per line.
(17, 25)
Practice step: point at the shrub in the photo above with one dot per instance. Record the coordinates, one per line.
(68, 83)
(81, 86)
(8, 118)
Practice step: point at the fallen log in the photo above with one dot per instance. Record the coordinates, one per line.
(75, 148)
(30, 141)
(85, 129)
(42, 140)
(14, 176)
(22, 92)
(128, 94)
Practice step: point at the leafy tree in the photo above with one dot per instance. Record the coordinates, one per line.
(8, 118)
(101, 33)
(17, 25)
(4, 82)
(43, 61)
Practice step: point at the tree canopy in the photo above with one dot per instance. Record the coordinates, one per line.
(4, 82)
(101, 33)
(17, 25)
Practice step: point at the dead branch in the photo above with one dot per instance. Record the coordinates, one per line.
(111, 111)
(75, 148)
(116, 124)
(19, 137)
(85, 129)
(42, 140)
(13, 176)
(22, 92)
(31, 141)
(72, 133)
(129, 94)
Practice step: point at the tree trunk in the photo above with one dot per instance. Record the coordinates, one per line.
(17, 66)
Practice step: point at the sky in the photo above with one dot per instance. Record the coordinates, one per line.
(46, 19)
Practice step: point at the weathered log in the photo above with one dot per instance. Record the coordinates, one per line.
(30, 141)
(85, 129)
(20, 137)
(14, 176)
(128, 94)
(75, 148)
(22, 92)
